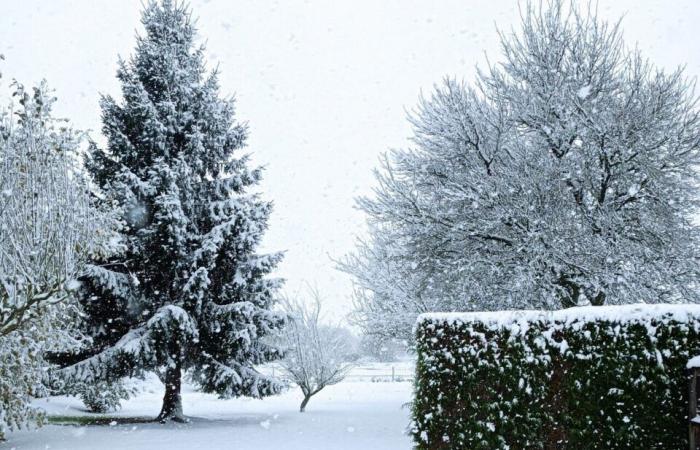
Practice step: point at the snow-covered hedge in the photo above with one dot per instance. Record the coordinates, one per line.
(590, 377)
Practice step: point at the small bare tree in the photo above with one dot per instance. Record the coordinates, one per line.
(316, 353)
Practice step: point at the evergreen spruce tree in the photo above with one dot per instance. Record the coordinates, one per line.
(190, 294)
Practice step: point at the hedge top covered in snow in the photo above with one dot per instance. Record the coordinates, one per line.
(583, 377)
(639, 312)
(693, 363)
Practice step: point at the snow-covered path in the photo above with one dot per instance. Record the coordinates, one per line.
(352, 415)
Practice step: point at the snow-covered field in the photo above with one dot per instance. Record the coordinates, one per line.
(355, 414)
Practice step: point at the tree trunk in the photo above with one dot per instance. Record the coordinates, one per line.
(570, 297)
(172, 400)
(599, 299)
(302, 408)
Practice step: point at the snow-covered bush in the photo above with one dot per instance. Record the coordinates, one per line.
(21, 371)
(101, 396)
(608, 377)
(316, 354)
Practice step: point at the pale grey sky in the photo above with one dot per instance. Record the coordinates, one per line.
(324, 86)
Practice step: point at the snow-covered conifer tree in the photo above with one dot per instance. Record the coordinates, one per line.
(566, 175)
(190, 294)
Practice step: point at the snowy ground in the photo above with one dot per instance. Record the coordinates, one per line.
(355, 414)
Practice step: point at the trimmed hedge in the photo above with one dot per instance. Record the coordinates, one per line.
(582, 378)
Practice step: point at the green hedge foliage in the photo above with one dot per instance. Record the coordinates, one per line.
(583, 378)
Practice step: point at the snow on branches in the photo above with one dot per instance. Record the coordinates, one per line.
(49, 226)
(565, 175)
(190, 295)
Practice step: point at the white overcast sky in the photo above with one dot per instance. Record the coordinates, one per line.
(324, 85)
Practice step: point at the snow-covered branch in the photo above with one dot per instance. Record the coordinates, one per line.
(566, 175)
(49, 226)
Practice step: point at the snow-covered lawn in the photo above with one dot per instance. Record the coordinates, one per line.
(355, 414)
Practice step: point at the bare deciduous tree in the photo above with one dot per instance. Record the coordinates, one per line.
(316, 353)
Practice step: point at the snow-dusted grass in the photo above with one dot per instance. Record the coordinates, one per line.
(355, 414)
